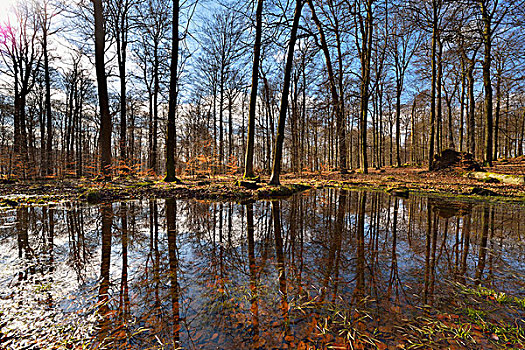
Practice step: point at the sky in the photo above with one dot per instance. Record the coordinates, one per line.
(6, 9)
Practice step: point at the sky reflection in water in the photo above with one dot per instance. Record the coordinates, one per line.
(317, 269)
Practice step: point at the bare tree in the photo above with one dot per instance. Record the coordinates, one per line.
(172, 102)
(364, 27)
(403, 44)
(278, 149)
(119, 25)
(103, 98)
(21, 54)
(248, 163)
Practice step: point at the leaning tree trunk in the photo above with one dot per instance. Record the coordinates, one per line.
(278, 150)
(337, 101)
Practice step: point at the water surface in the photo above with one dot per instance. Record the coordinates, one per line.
(323, 268)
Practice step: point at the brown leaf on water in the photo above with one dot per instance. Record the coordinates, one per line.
(395, 309)
(358, 345)
(381, 346)
(385, 329)
(289, 338)
(361, 326)
(327, 338)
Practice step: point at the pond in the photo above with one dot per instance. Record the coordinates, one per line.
(324, 268)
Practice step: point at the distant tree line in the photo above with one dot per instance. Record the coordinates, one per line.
(122, 87)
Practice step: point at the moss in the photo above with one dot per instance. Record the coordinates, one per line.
(255, 179)
(141, 184)
(9, 202)
(93, 196)
(400, 191)
(504, 178)
(252, 185)
(466, 197)
(482, 192)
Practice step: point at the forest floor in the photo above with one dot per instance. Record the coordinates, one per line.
(450, 182)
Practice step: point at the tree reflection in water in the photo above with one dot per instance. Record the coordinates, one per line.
(319, 269)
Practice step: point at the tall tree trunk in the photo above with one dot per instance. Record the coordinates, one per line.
(336, 99)
(248, 163)
(398, 122)
(487, 41)
(230, 126)
(462, 109)
(471, 120)
(123, 108)
(278, 149)
(48, 165)
(156, 88)
(172, 103)
(413, 132)
(366, 55)
(497, 116)
(105, 117)
(439, 90)
(221, 120)
(433, 87)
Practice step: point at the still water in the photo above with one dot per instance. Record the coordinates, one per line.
(328, 268)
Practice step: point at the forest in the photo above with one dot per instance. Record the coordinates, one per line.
(266, 174)
(168, 88)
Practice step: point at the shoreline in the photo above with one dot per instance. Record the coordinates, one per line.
(396, 181)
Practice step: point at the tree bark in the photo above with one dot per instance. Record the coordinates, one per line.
(278, 149)
(172, 103)
(48, 165)
(433, 88)
(336, 99)
(487, 41)
(366, 53)
(105, 117)
(248, 163)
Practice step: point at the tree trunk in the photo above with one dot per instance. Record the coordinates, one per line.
(105, 117)
(156, 88)
(172, 103)
(471, 124)
(337, 100)
(248, 164)
(497, 116)
(462, 110)
(398, 122)
(366, 54)
(278, 149)
(487, 40)
(439, 90)
(433, 88)
(48, 165)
